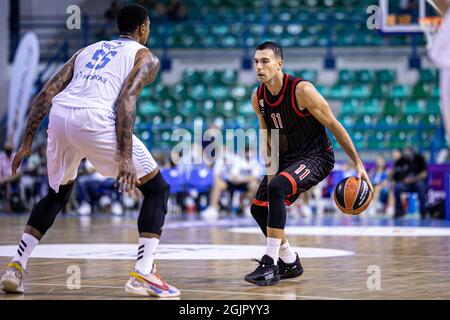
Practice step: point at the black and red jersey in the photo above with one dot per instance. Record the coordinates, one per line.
(300, 132)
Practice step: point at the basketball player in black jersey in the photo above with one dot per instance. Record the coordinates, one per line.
(294, 107)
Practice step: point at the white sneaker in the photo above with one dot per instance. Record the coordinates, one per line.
(151, 285)
(11, 282)
(85, 209)
(211, 214)
(116, 209)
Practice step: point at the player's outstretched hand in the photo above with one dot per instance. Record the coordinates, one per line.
(23, 152)
(127, 178)
(362, 174)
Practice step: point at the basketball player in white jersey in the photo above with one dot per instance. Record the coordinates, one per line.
(440, 55)
(92, 103)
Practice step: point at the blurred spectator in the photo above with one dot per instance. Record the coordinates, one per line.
(379, 178)
(234, 173)
(410, 174)
(33, 183)
(91, 192)
(6, 180)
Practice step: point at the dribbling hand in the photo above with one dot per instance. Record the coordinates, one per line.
(127, 178)
(362, 174)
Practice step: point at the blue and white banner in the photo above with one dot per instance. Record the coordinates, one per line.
(23, 76)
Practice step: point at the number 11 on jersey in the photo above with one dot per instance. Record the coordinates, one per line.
(277, 120)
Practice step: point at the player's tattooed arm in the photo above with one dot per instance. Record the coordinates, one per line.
(145, 69)
(309, 98)
(144, 72)
(40, 107)
(43, 101)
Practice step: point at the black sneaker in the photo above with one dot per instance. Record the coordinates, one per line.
(290, 270)
(266, 274)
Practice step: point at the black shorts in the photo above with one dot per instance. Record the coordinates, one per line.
(303, 173)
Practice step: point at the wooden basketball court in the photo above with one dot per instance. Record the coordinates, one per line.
(400, 265)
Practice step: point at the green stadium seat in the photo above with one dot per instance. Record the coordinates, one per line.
(350, 107)
(245, 108)
(365, 76)
(211, 77)
(146, 93)
(192, 77)
(393, 107)
(365, 119)
(347, 120)
(227, 108)
(400, 91)
(429, 76)
(229, 77)
(339, 91)
(360, 91)
(309, 74)
(157, 120)
(379, 91)
(323, 90)
(376, 140)
(406, 120)
(421, 91)
(179, 91)
(397, 140)
(386, 121)
(433, 107)
(414, 107)
(239, 93)
(148, 109)
(430, 120)
(219, 93)
(359, 140)
(385, 76)
(347, 76)
(168, 107)
(199, 92)
(187, 108)
(435, 92)
(208, 109)
(372, 107)
(161, 92)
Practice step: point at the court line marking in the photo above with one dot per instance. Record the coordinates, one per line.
(290, 296)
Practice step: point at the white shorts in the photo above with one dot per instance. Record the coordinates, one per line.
(78, 133)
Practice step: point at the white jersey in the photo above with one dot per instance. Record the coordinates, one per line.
(100, 71)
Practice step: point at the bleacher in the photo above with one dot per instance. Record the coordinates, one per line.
(378, 112)
(292, 23)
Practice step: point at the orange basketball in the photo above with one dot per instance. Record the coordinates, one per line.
(352, 195)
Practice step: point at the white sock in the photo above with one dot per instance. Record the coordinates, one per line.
(146, 255)
(26, 247)
(272, 249)
(287, 254)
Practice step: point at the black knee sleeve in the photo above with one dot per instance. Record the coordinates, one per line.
(154, 207)
(260, 214)
(279, 188)
(45, 211)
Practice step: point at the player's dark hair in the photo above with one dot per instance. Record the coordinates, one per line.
(130, 17)
(275, 47)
